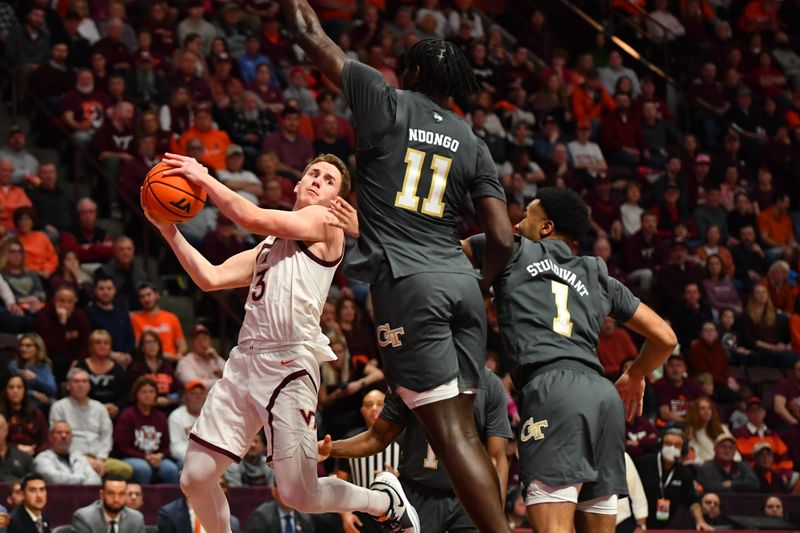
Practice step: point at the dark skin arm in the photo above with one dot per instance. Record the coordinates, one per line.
(307, 32)
(365, 444)
(499, 239)
(496, 448)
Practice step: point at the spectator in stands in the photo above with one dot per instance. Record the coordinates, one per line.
(90, 423)
(28, 517)
(770, 477)
(711, 213)
(677, 274)
(25, 164)
(141, 436)
(689, 315)
(34, 367)
(69, 272)
(14, 464)
(40, 256)
(202, 363)
(92, 243)
(704, 426)
(250, 125)
(756, 431)
(27, 427)
(103, 314)
(621, 138)
(110, 512)
(113, 143)
(182, 419)
(292, 148)
(328, 141)
(60, 464)
(659, 135)
(665, 477)
(109, 384)
(675, 391)
(712, 511)
(748, 257)
(165, 324)
(718, 288)
(590, 100)
(135, 498)
(54, 209)
(773, 506)
(585, 155)
(235, 177)
(12, 197)
(724, 473)
(150, 362)
(117, 54)
(643, 253)
(265, 86)
(787, 393)
(25, 285)
(277, 515)
(225, 240)
(194, 23)
(215, 141)
(615, 70)
(777, 284)
(135, 169)
(127, 274)
(84, 112)
(252, 470)
(775, 228)
(614, 346)
(706, 354)
(357, 329)
(64, 328)
(763, 332)
(640, 436)
(710, 104)
(28, 45)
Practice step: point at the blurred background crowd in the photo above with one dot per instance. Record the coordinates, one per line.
(678, 120)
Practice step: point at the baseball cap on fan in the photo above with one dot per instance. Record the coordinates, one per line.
(199, 329)
(194, 384)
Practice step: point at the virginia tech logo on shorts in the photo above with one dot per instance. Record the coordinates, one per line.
(532, 429)
(309, 417)
(387, 336)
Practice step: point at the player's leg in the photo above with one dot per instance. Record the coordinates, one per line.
(450, 427)
(200, 483)
(597, 516)
(221, 435)
(290, 425)
(552, 517)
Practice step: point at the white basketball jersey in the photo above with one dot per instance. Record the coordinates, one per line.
(289, 288)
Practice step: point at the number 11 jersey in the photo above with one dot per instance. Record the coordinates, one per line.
(417, 163)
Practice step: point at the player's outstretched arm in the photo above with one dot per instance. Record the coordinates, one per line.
(660, 341)
(307, 32)
(311, 224)
(367, 443)
(499, 239)
(236, 271)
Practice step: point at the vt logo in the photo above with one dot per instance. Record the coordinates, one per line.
(309, 417)
(183, 204)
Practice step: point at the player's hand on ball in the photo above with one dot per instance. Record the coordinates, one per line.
(159, 224)
(346, 216)
(631, 391)
(324, 448)
(185, 166)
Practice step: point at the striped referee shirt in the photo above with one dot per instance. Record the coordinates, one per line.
(363, 469)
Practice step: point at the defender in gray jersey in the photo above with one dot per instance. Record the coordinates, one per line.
(417, 162)
(550, 306)
(423, 477)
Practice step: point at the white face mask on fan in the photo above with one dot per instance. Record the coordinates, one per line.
(670, 453)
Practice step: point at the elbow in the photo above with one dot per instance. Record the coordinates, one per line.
(669, 339)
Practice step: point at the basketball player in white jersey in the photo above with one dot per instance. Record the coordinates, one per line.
(272, 376)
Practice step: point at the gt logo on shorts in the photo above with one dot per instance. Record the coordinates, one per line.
(532, 429)
(387, 336)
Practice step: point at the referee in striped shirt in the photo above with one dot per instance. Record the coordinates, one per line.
(362, 470)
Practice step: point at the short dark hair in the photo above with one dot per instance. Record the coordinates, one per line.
(27, 478)
(112, 477)
(142, 381)
(103, 276)
(146, 285)
(444, 70)
(567, 210)
(24, 211)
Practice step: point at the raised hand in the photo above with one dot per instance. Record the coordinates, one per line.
(346, 216)
(187, 167)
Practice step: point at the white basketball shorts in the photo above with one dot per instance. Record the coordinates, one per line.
(273, 389)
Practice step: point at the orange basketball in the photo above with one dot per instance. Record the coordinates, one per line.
(171, 198)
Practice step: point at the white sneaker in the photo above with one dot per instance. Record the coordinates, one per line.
(401, 517)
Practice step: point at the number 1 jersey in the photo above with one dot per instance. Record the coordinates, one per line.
(551, 304)
(417, 163)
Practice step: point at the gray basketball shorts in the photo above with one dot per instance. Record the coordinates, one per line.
(572, 431)
(431, 328)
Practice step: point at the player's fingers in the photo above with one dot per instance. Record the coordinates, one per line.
(639, 406)
(356, 521)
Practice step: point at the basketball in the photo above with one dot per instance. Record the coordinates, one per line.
(171, 199)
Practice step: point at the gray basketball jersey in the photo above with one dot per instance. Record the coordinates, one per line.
(417, 163)
(551, 304)
(418, 463)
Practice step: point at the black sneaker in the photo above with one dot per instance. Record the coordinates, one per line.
(401, 517)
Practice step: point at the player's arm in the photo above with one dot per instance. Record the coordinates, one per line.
(312, 224)
(307, 32)
(369, 442)
(659, 342)
(499, 239)
(236, 271)
(496, 448)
